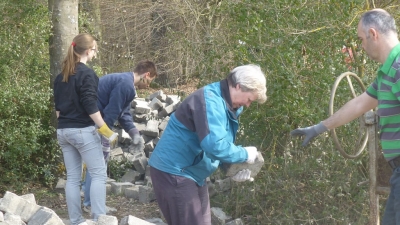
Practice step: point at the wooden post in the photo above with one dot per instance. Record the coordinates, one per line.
(370, 122)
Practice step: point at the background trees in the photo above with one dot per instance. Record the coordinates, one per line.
(297, 43)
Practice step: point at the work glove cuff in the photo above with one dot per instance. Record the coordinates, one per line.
(320, 128)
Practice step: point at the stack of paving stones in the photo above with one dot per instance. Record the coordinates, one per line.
(23, 210)
(151, 116)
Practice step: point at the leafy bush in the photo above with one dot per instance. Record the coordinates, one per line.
(27, 146)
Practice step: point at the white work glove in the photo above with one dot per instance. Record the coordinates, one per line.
(251, 154)
(243, 175)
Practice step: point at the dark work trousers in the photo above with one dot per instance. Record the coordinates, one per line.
(180, 199)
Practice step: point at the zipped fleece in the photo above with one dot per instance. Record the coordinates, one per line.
(116, 92)
(200, 135)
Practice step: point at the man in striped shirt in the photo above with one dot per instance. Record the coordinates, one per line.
(378, 33)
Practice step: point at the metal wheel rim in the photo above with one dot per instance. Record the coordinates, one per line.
(332, 98)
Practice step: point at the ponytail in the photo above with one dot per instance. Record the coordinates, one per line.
(79, 45)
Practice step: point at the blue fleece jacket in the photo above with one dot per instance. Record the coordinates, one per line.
(115, 94)
(200, 135)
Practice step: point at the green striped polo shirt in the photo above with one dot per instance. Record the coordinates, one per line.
(386, 89)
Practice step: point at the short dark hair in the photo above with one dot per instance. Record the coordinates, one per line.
(146, 66)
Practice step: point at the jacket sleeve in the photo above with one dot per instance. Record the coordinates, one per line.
(126, 120)
(88, 92)
(119, 97)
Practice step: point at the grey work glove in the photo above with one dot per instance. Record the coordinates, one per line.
(309, 132)
(105, 146)
(106, 153)
(135, 135)
(243, 175)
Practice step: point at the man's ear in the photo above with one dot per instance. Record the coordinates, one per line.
(373, 33)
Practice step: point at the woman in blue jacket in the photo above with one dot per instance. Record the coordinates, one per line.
(199, 137)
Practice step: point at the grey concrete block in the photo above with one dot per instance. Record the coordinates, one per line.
(166, 111)
(154, 95)
(109, 180)
(107, 220)
(131, 220)
(162, 97)
(60, 187)
(29, 197)
(123, 137)
(148, 147)
(142, 109)
(140, 162)
(131, 176)
(155, 104)
(237, 221)
(147, 138)
(151, 128)
(218, 216)
(231, 169)
(138, 101)
(11, 219)
(118, 188)
(154, 114)
(45, 216)
(155, 140)
(171, 99)
(12, 203)
(116, 151)
(146, 194)
(139, 118)
(164, 123)
(141, 126)
(132, 192)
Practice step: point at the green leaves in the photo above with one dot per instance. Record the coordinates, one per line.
(26, 148)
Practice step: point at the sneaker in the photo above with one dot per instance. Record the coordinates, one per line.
(83, 223)
(87, 209)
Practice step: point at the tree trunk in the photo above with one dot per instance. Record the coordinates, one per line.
(64, 17)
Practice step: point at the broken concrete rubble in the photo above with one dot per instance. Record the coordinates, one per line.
(22, 210)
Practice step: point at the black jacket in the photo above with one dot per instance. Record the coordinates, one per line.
(77, 98)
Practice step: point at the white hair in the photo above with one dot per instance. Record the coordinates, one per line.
(251, 79)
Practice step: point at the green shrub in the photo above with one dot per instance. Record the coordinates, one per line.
(27, 147)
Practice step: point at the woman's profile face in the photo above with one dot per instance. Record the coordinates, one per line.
(93, 51)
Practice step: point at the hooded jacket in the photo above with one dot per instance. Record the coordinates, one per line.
(200, 135)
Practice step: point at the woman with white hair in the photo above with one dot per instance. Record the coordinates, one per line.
(200, 136)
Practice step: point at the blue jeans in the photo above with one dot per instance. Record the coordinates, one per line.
(86, 188)
(79, 144)
(392, 210)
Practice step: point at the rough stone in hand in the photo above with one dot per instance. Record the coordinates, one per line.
(231, 169)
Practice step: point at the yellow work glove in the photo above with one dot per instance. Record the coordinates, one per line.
(107, 133)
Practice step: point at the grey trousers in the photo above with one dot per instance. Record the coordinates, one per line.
(180, 199)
